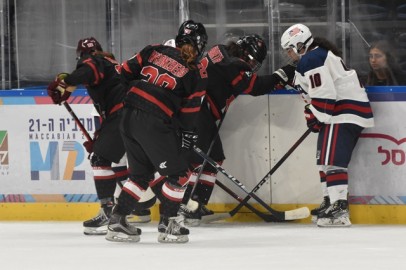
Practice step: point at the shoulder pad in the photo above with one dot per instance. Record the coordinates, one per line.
(312, 60)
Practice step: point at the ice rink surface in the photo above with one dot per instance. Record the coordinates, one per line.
(250, 246)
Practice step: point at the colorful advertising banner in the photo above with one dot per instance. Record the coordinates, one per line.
(41, 153)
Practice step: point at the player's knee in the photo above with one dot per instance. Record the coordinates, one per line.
(147, 200)
(174, 187)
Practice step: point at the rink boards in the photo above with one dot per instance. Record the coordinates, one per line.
(45, 173)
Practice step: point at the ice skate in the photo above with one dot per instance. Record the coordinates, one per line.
(321, 209)
(98, 224)
(120, 231)
(172, 230)
(163, 223)
(337, 215)
(194, 218)
(139, 216)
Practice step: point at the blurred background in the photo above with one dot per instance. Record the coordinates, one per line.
(38, 38)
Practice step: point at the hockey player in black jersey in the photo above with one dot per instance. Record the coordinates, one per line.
(232, 71)
(166, 86)
(100, 74)
(337, 109)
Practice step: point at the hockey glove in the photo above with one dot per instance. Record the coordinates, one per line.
(312, 122)
(58, 89)
(189, 139)
(89, 144)
(286, 74)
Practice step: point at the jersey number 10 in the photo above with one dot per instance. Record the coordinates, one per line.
(315, 80)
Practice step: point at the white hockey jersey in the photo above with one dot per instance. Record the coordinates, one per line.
(333, 90)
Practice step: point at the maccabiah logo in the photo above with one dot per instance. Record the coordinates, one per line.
(55, 146)
(394, 156)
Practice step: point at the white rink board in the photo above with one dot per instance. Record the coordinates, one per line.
(378, 168)
(256, 133)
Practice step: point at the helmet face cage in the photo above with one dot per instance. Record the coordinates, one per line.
(296, 37)
(192, 33)
(254, 49)
(86, 46)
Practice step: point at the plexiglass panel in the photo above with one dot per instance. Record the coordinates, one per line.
(39, 37)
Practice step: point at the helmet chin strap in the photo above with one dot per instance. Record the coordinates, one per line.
(303, 46)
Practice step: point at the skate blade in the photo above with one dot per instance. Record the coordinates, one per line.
(333, 223)
(138, 219)
(122, 237)
(95, 230)
(172, 239)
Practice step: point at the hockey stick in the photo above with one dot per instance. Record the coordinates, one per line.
(244, 202)
(277, 165)
(193, 205)
(285, 215)
(77, 121)
(221, 216)
(263, 180)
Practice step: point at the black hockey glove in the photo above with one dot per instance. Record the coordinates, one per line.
(89, 144)
(312, 122)
(189, 139)
(286, 74)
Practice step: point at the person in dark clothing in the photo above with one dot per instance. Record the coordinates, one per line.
(99, 73)
(166, 86)
(232, 71)
(384, 69)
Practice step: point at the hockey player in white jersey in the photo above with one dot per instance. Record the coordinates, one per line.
(337, 109)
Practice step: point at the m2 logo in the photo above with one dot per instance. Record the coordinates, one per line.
(48, 159)
(4, 147)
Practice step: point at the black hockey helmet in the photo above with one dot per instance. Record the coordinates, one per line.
(193, 33)
(254, 49)
(87, 46)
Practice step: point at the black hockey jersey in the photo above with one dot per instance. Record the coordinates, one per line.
(161, 83)
(101, 77)
(230, 77)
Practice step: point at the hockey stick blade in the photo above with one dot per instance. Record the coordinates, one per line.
(280, 215)
(299, 213)
(277, 165)
(265, 217)
(221, 216)
(215, 217)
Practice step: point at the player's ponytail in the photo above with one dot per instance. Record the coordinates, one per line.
(326, 44)
(189, 54)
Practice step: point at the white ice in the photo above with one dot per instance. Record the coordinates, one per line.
(224, 246)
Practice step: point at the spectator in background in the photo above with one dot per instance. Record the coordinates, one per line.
(384, 69)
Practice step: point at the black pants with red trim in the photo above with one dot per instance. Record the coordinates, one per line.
(153, 145)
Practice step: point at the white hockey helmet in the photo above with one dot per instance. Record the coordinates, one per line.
(296, 37)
